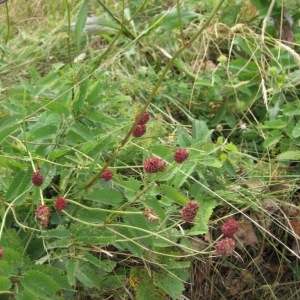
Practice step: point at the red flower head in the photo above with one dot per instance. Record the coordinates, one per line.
(189, 211)
(1, 253)
(139, 130)
(230, 227)
(107, 175)
(145, 118)
(225, 247)
(60, 203)
(42, 214)
(154, 165)
(37, 178)
(181, 155)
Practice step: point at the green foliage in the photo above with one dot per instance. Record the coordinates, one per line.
(224, 92)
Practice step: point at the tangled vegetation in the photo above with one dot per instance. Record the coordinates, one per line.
(149, 150)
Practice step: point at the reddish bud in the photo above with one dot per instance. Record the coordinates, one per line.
(37, 178)
(230, 227)
(189, 211)
(154, 165)
(145, 118)
(60, 203)
(107, 175)
(1, 253)
(181, 155)
(42, 214)
(139, 130)
(225, 247)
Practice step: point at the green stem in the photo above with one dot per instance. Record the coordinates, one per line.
(154, 92)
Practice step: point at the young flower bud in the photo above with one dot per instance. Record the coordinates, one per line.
(60, 203)
(230, 227)
(181, 155)
(154, 165)
(1, 252)
(42, 214)
(139, 130)
(189, 211)
(37, 178)
(107, 175)
(225, 247)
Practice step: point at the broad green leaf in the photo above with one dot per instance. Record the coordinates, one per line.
(80, 23)
(87, 275)
(105, 265)
(289, 155)
(144, 286)
(273, 124)
(59, 232)
(200, 131)
(169, 20)
(26, 295)
(5, 283)
(183, 139)
(40, 284)
(42, 134)
(296, 131)
(181, 177)
(173, 195)
(170, 284)
(71, 267)
(19, 184)
(105, 196)
(78, 134)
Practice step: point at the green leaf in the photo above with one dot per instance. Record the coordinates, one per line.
(5, 283)
(78, 133)
(170, 284)
(40, 284)
(83, 89)
(19, 184)
(87, 275)
(80, 23)
(105, 265)
(105, 196)
(59, 232)
(169, 20)
(296, 131)
(71, 267)
(289, 155)
(181, 177)
(183, 139)
(131, 187)
(200, 131)
(274, 124)
(144, 286)
(173, 195)
(7, 127)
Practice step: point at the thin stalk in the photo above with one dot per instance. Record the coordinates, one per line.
(154, 92)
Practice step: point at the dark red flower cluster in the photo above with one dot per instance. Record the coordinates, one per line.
(145, 118)
(189, 211)
(181, 155)
(107, 175)
(225, 246)
(140, 129)
(60, 203)
(154, 165)
(37, 178)
(42, 214)
(1, 253)
(230, 227)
